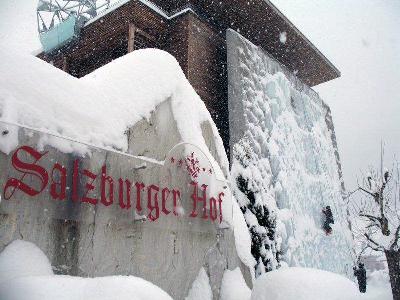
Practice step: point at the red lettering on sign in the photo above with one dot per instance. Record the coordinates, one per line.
(213, 209)
(59, 193)
(196, 199)
(104, 180)
(25, 168)
(26, 161)
(128, 184)
(89, 187)
(220, 205)
(139, 188)
(75, 181)
(154, 211)
(165, 194)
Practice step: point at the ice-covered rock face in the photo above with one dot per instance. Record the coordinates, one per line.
(284, 164)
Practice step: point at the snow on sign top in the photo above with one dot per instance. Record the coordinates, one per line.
(112, 187)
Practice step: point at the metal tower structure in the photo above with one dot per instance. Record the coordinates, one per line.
(59, 21)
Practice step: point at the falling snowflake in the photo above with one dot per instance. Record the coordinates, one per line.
(283, 37)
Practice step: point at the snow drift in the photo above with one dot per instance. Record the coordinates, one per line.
(304, 284)
(201, 289)
(234, 287)
(26, 274)
(22, 259)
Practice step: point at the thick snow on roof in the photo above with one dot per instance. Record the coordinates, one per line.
(100, 107)
(148, 3)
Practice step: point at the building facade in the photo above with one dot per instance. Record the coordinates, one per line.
(195, 33)
(254, 71)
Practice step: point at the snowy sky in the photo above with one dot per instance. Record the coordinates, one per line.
(362, 39)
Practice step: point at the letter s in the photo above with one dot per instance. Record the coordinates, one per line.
(26, 168)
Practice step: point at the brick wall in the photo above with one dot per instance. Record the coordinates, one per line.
(106, 39)
(207, 71)
(176, 42)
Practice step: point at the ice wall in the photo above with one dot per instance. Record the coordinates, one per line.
(285, 164)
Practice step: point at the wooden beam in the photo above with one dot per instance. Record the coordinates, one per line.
(131, 37)
(65, 64)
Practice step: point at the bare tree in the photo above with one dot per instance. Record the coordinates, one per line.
(378, 215)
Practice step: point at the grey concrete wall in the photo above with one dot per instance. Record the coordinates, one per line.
(94, 241)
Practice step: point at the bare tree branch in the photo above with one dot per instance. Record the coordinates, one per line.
(371, 218)
(378, 247)
(365, 191)
(350, 194)
(362, 251)
(372, 225)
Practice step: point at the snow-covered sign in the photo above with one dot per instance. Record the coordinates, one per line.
(114, 187)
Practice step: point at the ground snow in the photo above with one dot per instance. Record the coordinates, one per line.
(378, 286)
(76, 288)
(25, 270)
(201, 289)
(25, 273)
(234, 287)
(304, 284)
(21, 259)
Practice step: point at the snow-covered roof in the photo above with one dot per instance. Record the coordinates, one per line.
(148, 3)
(260, 22)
